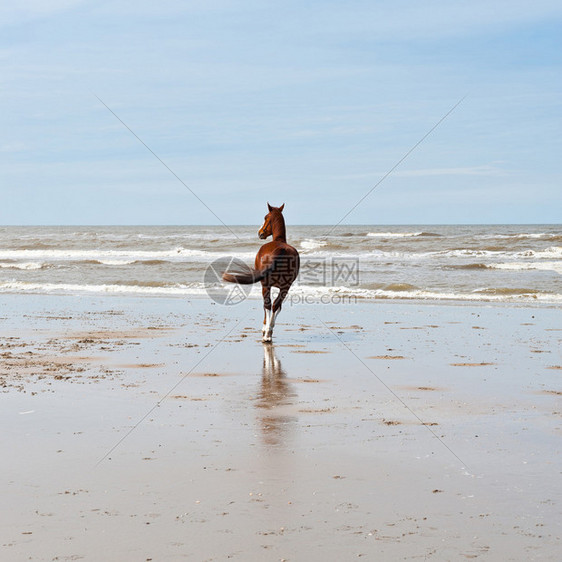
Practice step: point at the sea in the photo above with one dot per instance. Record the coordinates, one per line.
(489, 263)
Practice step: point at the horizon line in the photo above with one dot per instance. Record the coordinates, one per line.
(125, 225)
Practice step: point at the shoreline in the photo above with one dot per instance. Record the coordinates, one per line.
(309, 299)
(146, 428)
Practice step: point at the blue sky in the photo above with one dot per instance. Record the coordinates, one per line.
(307, 103)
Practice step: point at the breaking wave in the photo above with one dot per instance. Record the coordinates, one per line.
(24, 265)
(401, 234)
(399, 291)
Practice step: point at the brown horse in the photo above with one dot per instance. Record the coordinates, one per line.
(277, 265)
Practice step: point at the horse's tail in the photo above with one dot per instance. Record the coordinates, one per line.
(247, 277)
(253, 275)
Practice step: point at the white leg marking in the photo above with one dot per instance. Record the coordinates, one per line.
(270, 325)
(266, 321)
(267, 326)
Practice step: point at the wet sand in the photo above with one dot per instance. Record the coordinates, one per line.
(163, 429)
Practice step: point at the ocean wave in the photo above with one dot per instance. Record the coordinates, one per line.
(154, 289)
(449, 258)
(389, 286)
(207, 236)
(528, 266)
(116, 257)
(37, 246)
(469, 252)
(400, 287)
(79, 263)
(522, 236)
(378, 255)
(310, 248)
(345, 294)
(468, 266)
(553, 252)
(298, 293)
(24, 265)
(150, 262)
(115, 262)
(309, 244)
(401, 234)
(512, 266)
(507, 291)
(499, 297)
(550, 253)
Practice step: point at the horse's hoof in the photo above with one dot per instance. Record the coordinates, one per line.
(266, 338)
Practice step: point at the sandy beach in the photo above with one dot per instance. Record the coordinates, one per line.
(163, 429)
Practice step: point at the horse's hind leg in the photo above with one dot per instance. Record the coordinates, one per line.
(266, 293)
(275, 312)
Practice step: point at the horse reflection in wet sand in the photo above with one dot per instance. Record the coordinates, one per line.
(277, 265)
(275, 393)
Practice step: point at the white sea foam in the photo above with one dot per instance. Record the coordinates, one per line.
(219, 235)
(472, 297)
(521, 236)
(323, 294)
(113, 257)
(378, 255)
(115, 262)
(554, 252)
(529, 266)
(30, 265)
(71, 288)
(308, 244)
(298, 293)
(394, 234)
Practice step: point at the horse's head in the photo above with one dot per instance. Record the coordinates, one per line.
(267, 228)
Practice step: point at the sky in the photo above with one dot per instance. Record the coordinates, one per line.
(309, 104)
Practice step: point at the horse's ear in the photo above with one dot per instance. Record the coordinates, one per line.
(281, 208)
(269, 207)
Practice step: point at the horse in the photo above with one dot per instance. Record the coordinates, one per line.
(277, 265)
